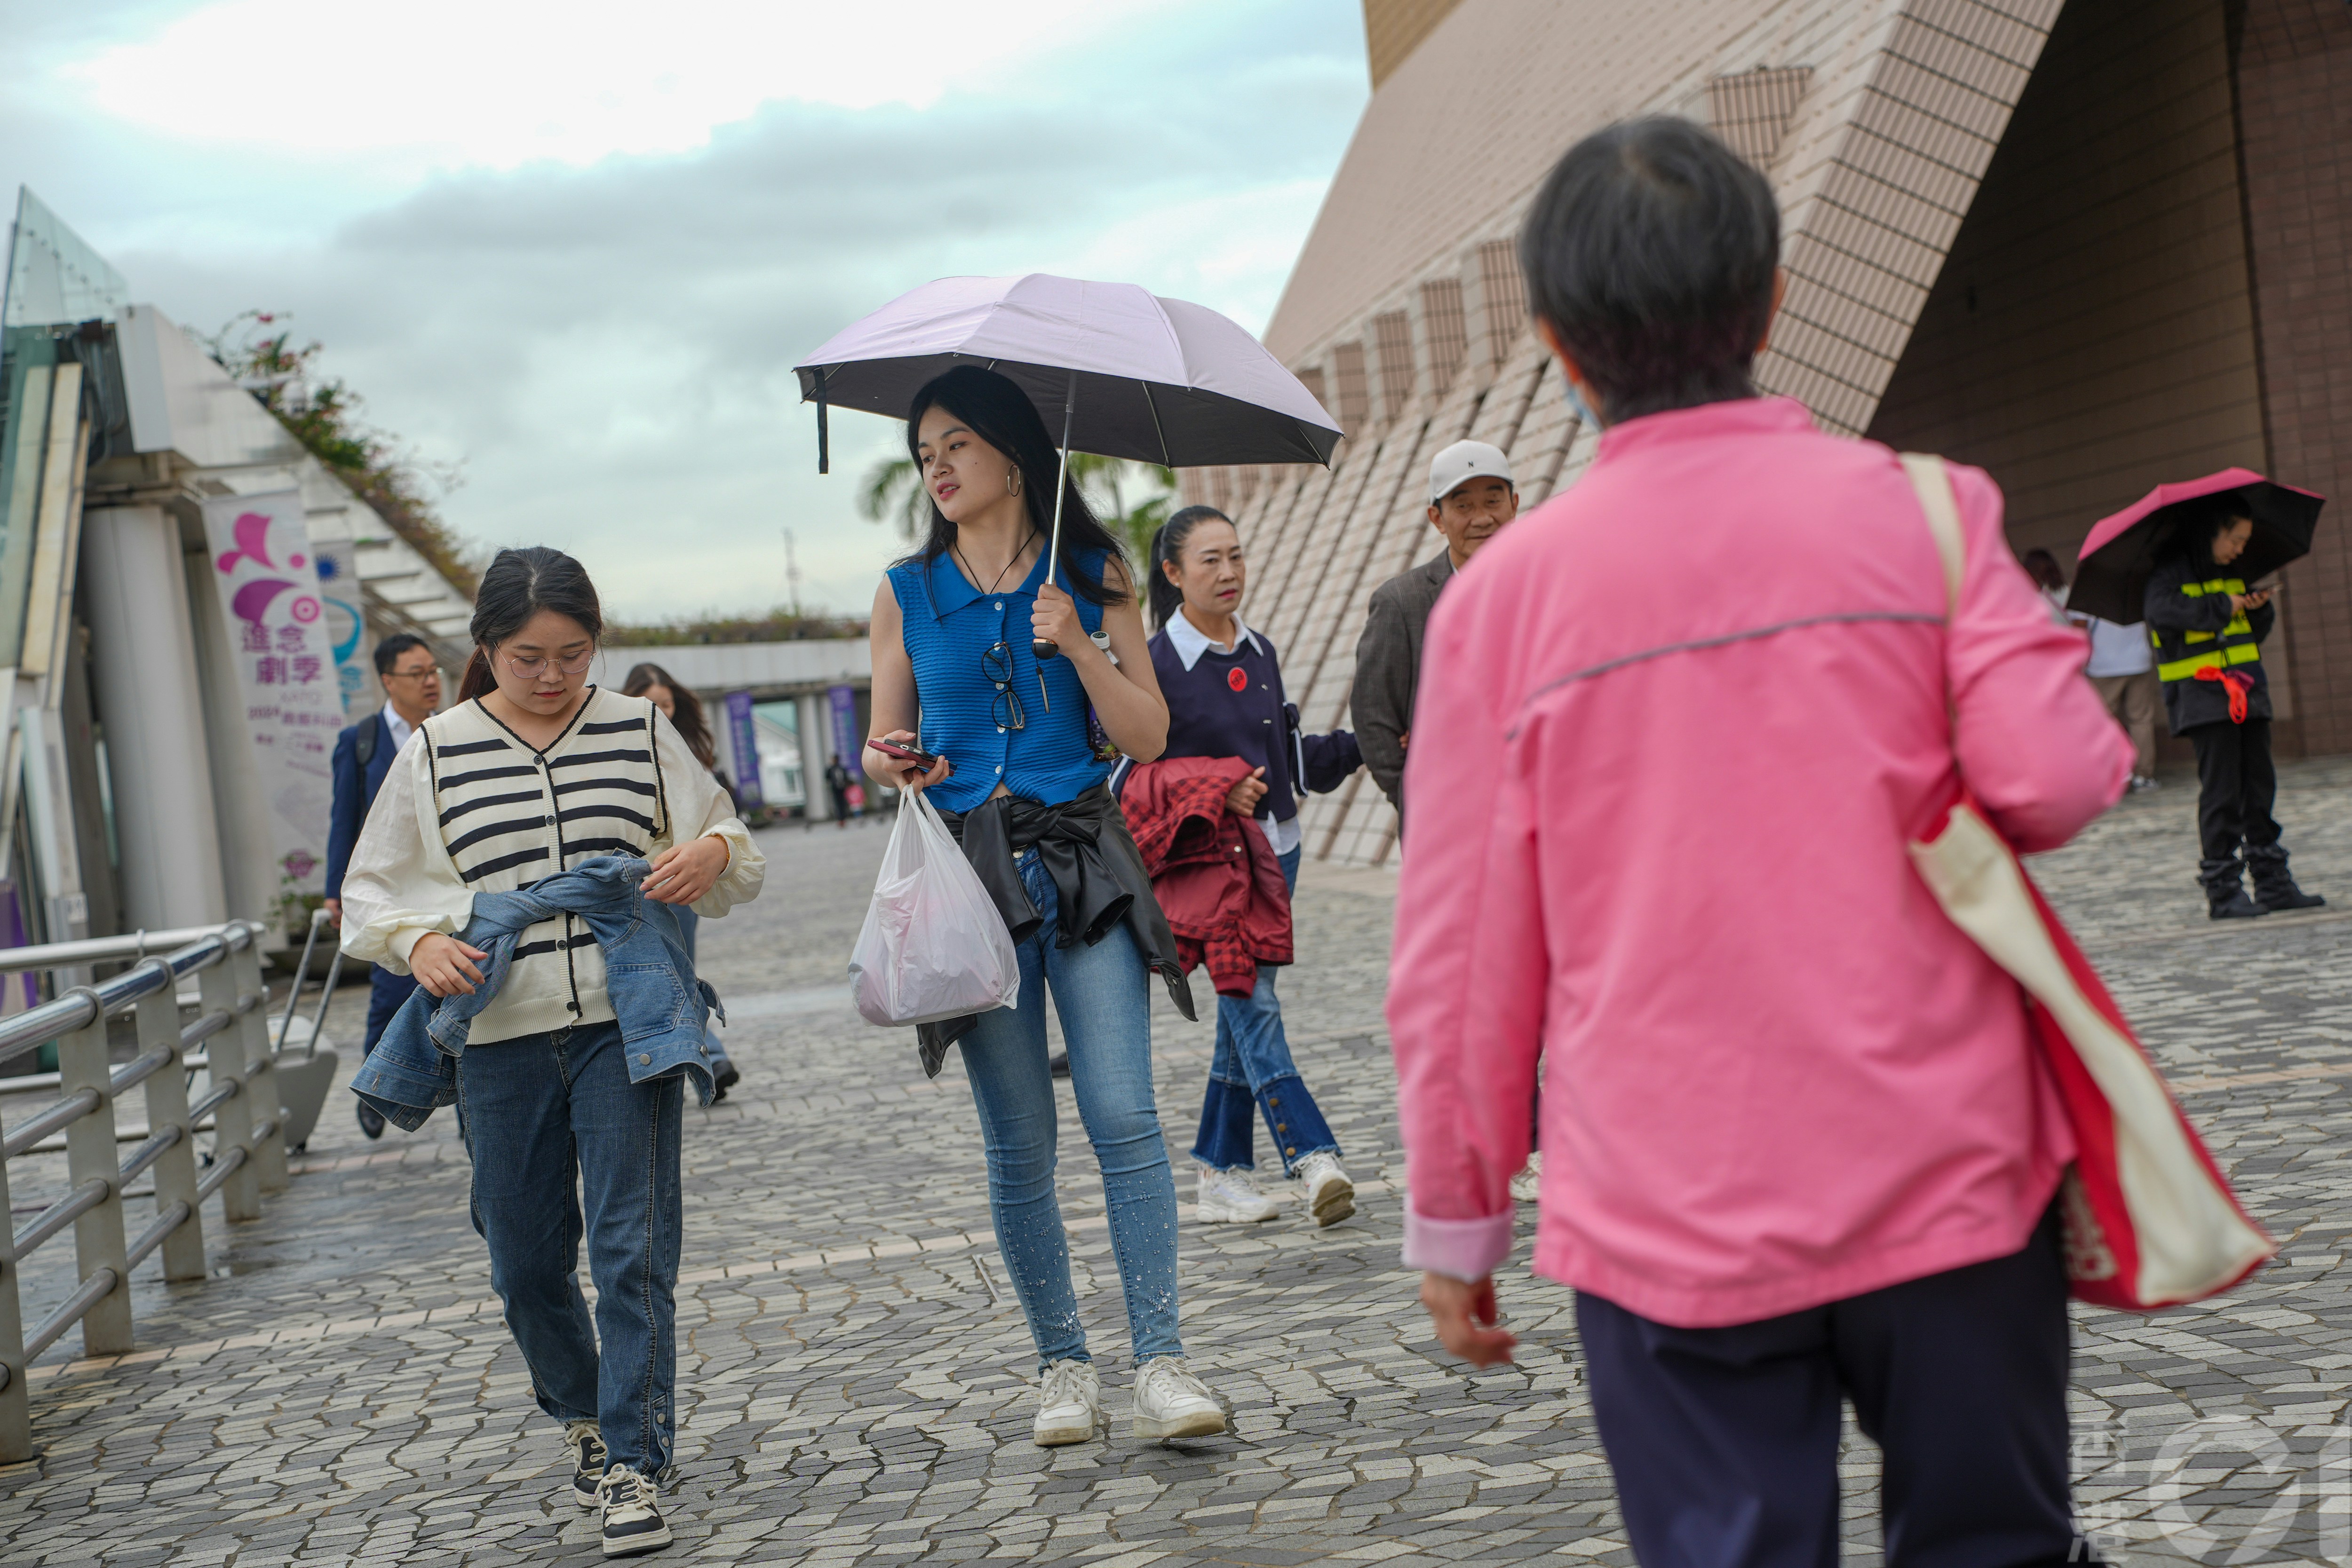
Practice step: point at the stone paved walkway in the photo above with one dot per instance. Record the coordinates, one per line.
(854, 1379)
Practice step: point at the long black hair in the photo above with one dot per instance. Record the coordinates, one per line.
(1652, 249)
(1167, 544)
(688, 718)
(519, 585)
(994, 408)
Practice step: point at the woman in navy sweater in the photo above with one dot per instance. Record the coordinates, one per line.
(1224, 698)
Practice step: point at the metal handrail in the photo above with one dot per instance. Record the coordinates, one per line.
(64, 1113)
(148, 1152)
(224, 1091)
(107, 950)
(62, 1213)
(249, 1153)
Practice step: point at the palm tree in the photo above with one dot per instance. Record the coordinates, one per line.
(893, 489)
(1132, 526)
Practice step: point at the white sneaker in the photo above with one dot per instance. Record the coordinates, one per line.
(633, 1521)
(1528, 1182)
(1069, 1405)
(587, 1451)
(1331, 1195)
(1169, 1402)
(1230, 1195)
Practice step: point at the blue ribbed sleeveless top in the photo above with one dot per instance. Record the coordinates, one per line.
(949, 625)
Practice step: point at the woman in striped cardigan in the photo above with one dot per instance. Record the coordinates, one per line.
(535, 771)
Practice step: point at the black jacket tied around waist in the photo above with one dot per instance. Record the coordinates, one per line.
(1099, 885)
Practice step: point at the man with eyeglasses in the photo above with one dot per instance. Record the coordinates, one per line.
(364, 755)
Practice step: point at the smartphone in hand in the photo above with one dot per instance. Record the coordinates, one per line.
(891, 748)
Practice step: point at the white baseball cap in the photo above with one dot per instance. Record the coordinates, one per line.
(1466, 460)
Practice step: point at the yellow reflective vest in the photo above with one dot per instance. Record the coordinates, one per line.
(2192, 627)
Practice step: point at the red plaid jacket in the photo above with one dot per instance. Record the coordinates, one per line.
(1215, 874)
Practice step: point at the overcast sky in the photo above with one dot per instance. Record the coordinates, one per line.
(576, 247)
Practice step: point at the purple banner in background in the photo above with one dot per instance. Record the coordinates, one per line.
(743, 741)
(846, 742)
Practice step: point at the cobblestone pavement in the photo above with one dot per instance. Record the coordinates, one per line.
(854, 1378)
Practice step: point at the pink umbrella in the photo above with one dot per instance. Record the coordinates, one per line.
(2122, 551)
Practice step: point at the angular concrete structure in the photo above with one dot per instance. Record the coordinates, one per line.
(2088, 245)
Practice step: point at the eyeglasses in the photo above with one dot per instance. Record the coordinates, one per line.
(996, 663)
(531, 669)
(412, 674)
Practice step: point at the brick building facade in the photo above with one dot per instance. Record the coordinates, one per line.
(2088, 245)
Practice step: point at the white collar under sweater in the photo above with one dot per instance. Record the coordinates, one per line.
(1190, 641)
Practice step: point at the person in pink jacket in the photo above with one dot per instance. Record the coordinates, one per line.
(1677, 727)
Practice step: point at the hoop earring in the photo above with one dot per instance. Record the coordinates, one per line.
(1013, 481)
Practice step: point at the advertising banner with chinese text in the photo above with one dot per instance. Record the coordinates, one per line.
(743, 750)
(848, 744)
(281, 645)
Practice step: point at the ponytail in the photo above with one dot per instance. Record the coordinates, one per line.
(1167, 544)
(477, 680)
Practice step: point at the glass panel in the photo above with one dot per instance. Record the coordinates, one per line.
(53, 275)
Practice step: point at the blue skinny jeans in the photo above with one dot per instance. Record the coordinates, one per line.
(551, 1120)
(1252, 1073)
(1101, 994)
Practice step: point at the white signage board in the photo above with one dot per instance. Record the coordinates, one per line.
(281, 644)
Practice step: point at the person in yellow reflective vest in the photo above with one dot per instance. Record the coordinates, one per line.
(2208, 627)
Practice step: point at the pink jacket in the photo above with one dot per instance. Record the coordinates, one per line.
(1674, 729)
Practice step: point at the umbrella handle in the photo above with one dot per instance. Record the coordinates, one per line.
(1041, 648)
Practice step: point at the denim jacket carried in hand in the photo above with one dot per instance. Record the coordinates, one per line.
(662, 1008)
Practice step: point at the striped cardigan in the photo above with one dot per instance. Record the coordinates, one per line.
(469, 807)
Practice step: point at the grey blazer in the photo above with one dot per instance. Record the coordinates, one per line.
(1388, 669)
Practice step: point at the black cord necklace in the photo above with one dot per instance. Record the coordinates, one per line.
(974, 572)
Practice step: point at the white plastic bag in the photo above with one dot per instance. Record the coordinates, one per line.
(933, 946)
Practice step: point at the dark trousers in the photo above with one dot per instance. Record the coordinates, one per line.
(386, 993)
(2236, 786)
(1723, 1441)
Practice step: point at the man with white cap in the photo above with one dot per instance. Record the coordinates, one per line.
(1470, 496)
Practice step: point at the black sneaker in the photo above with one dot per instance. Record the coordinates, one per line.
(587, 1450)
(633, 1521)
(371, 1121)
(724, 1080)
(1058, 1065)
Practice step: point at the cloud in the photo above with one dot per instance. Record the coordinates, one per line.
(446, 83)
(606, 345)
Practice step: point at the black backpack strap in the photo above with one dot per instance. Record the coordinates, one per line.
(364, 747)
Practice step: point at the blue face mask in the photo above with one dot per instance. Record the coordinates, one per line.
(1578, 406)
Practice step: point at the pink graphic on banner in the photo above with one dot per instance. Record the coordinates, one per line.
(280, 644)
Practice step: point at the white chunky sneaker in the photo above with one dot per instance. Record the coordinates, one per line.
(1231, 1196)
(587, 1451)
(1331, 1195)
(1069, 1405)
(1169, 1402)
(1528, 1182)
(633, 1521)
